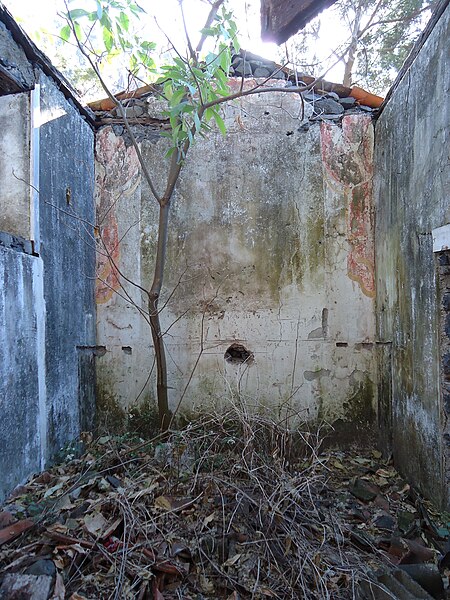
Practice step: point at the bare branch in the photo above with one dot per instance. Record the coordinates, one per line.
(213, 12)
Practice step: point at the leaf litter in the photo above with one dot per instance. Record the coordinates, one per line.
(226, 508)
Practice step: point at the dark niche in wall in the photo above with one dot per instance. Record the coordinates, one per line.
(238, 354)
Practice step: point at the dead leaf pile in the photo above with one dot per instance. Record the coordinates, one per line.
(219, 510)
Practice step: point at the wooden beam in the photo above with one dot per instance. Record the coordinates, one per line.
(280, 19)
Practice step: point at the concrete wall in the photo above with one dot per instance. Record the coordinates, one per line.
(47, 308)
(411, 193)
(22, 429)
(67, 246)
(270, 247)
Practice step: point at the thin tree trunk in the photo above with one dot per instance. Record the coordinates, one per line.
(349, 64)
(351, 56)
(153, 300)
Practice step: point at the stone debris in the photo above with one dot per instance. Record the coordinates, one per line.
(227, 509)
(143, 107)
(26, 587)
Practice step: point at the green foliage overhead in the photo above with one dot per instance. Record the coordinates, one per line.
(192, 86)
(377, 36)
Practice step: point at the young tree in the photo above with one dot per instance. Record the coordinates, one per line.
(194, 87)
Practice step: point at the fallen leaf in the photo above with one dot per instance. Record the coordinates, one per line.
(58, 527)
(104, 439)
(385, 473)
(53, 490)
(163, 502)
(96, 523)
(110, 529)
(59, 591)
(338, 465)
(232, 561)
(209, 519)
(267, 592)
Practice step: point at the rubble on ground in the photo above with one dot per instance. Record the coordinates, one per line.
(221, 509)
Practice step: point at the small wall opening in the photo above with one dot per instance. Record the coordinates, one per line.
(238, 354)
(15, 159)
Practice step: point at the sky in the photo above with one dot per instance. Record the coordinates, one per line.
(42, 15)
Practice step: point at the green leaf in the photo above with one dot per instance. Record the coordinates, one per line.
(197, 123)
(148, 46)
(78, 31)
(106, 21)
(124, 21)
(76, 13)
(225, 61)
(108, 39)
(177, 97)
(208, 114)
(65, 33)
(208, 31)
(170, 151)
(219, 122)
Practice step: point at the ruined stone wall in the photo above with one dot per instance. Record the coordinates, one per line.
(412, 199)
(270, 262)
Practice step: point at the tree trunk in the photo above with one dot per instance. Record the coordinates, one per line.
(155, 325)
(349, 64)
(351, 54)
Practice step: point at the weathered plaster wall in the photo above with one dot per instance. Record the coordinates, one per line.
(21, 320)
(47, 305)
(270, 247)
(66, 217)
(411, 198)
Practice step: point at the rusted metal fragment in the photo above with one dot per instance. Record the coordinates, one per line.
(12, 531)
(280, 19)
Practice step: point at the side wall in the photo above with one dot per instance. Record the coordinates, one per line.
(22, 430)
(67, 246)
(412, 198)
(47, 273)
(271, 248)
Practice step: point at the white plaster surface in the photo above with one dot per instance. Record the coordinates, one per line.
(259, 251)
(15, 189)
(441, 238)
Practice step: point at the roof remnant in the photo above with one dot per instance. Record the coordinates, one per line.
(249, 65)
(280, 19)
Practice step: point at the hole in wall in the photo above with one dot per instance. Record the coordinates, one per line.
(127, 349)
(289, 133)
(341, 344)
(325, 322)
(238, 354)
